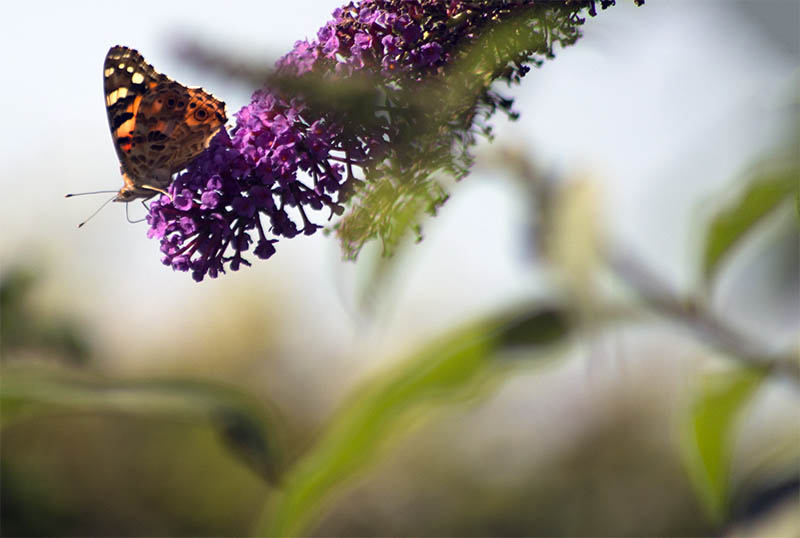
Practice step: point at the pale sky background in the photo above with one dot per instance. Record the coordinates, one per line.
(662, 104)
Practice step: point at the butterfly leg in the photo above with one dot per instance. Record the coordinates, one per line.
(128, 218)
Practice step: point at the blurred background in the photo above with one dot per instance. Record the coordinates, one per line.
(137, 402)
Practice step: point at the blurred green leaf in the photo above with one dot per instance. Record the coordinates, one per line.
(242, 423)
(450, 369)
(759, 198)
(710, 434)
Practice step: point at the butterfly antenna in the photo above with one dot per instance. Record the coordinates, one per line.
(98, 209)
(70, 195)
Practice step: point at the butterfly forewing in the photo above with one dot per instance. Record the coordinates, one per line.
(126, 78)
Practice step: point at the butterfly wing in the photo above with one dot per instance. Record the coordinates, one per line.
(126, 79)
(174, 124)
(158, 125)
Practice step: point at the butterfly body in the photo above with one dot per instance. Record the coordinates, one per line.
(158, 125)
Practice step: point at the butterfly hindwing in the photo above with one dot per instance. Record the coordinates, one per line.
(175, 124)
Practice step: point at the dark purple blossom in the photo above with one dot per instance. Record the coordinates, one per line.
(391, 45)
(368, 15)
(209, 200)
(362, 41)
(429, 54)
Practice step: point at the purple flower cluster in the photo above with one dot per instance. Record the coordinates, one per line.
(218, 209)
(215, 207)
(387, 36)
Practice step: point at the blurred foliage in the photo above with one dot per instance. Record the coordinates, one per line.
(84, 453)
(567, 225)
(710, 433)
(771, 182)
(112, 474)
(616, 475)
(22, 328)
(768, 189)
(448, 370)
(242, 423)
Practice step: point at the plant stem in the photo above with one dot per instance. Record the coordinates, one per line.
(659, 297)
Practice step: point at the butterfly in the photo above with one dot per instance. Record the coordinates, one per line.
(158, 125)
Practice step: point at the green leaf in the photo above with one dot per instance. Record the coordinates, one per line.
(759, 198)
(241, 422)
(710, 433)
(447, 370)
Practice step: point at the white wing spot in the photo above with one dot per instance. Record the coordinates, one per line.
(129, 69)
(108, 72)
(137, 78)
(121, 65)
(116, 95)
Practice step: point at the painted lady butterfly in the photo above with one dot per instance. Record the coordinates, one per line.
(158, 125)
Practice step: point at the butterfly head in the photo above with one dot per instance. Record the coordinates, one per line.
(131, 190)
(128, 195)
